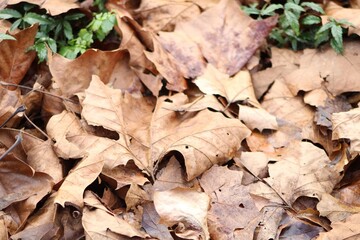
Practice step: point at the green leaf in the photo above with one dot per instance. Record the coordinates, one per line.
(336, 46)
(15, 25)
(313, 6)
(293, 6)
(9, 13)
(33, 18)
(68, 30)
(311, 20)
(52, 44)
(336, 33)
(74, 16)
(343, 22)
(293, 21)
(270, 10)
(4, 36)
(252, 9)
(321, 37)
(325, 27)
(41, 50)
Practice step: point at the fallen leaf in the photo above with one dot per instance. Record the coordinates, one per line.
(53, 7)
(350, 14)
(162, 15)
(185, 208)
(349, 229)
(257, 118)
(74, 75)
(15, 59)
(111, 226)
(345, 126)
(315, 70)
(335, 209)
(151, 223)
(227, 36)
(9, 102)
(234, 89)
(228, 211)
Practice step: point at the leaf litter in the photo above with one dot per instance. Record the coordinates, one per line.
(180, 132)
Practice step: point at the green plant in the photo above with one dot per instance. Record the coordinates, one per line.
(57, 32)
(4, 36)
(333, 30)
(299, 25)
(98, 28)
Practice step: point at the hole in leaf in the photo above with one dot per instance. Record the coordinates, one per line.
(187, 147)
(241, 205)
(168, 100)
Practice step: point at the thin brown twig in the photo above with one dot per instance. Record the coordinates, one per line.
(37, 90)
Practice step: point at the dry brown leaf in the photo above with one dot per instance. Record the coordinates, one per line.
(135, 196)
(308, 173)
(82, 175)
(19, 182)
(9, 102)
(234, 89)
(349, 229)
(185, 208)
(74, 75)
(172, 176)
(227, 36)
(346, 125)
(167, 66)
(316, 69)
(111, 226)
(350, 14)
(228, 211)
(15, 60)
(186, 53)
(59, 128)
(53, 7)
(162, 15)
(257, 118)
(203, 143)
(151, 223)
(334, 209)
(256, 162)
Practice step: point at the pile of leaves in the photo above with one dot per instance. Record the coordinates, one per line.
(192, 127)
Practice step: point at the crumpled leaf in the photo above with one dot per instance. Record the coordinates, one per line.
(162, 15)
(343, 230)
(53, 7)
(74, 75)
(20, 182)
(237, 88)
(345, 125)
(15, 60)
(185, 207)
(111, 226)
(315, 70)
(202, 143)
(308, 173)
(227, 36)
(228, 211)
(151, 223)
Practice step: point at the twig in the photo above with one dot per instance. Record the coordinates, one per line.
(18, 140)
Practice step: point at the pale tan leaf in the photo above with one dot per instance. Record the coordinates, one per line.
(53, 7)
(334, 209)
(185, 207)
(111, 225)
(315, 70)
(346, 125)
(237, 88)
(203, 143)
(151, 223)
(228, 211)
(257, 118)
(343, 230)
(162, 15)
(59, 128)
(308, 173)
(82, 175)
